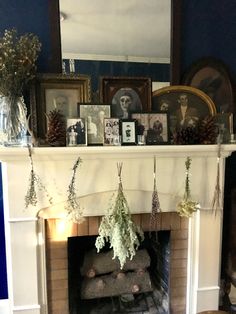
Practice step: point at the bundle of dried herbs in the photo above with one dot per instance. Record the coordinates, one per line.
(34, 184)
(72, 205)
(186, 207)
(156, 208)
(118, 229)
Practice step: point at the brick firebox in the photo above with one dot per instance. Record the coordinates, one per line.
(57, 232)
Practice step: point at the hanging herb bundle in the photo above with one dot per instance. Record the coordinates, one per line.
(72, 205)
(118, 228)
(187, 206)
(216, 202)
(34, 183)
(155, 203)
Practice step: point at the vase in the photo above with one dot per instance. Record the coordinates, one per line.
(13, 121)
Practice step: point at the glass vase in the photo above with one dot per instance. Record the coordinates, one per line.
(13, 121)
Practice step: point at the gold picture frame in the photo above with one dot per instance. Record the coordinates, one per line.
(167, 99)
(50, 91)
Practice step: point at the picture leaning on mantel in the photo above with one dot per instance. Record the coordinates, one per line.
(59, 92)
(126, 95)
(187, 108)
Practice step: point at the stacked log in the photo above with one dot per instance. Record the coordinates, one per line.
(103, 277)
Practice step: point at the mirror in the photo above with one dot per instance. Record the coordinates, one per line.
(116, 31)
(105, 30)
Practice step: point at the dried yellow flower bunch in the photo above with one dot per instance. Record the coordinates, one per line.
(18, 55)
(186, 207)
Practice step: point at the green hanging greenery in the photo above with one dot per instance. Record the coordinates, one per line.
(186, 207)
(118, 228)
(72, 205)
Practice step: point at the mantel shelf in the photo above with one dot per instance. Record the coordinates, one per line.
(114, 152)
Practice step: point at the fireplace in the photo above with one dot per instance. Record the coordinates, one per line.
(97, 284)
(36, 238)
(57, 257)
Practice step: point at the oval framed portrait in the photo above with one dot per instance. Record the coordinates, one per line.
(213, 78)
(185, 105)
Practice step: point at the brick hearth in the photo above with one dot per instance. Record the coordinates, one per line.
(57, 232)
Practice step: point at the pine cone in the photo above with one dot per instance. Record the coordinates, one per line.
(186, 136)
(208, 130)
(56, 135)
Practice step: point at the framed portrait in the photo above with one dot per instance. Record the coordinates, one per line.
(186, 106)
(111, 131)
(76, 133)
(128, 129)
(126, 95)
(153, 127)
(94, 115)
(62, 92)
(211, 76)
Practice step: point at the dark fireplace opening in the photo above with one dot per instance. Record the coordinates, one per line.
(143, 290)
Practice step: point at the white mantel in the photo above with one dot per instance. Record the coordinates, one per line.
(97, 177)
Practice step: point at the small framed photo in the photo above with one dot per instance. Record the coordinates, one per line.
(158, 129)
(94, 115)
(128, 129)
(126, 95)
(76, 134)
(153, 127)
(224, 124)
(111, 131)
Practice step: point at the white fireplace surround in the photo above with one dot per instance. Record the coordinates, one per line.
(96, 178)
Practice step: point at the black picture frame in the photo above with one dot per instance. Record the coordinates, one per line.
(94, 115)
(111, 132)
(128, 132)
(212, 76)
(76, 132)
(153, 127)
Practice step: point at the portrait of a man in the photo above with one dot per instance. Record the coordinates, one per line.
(64, 100)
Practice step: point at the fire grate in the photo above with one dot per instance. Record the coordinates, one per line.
(145, 303)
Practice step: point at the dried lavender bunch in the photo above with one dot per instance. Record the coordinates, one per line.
(118, 228)
(72, 205)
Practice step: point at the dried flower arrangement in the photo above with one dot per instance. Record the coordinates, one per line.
(187, 206)
(72, 205)
(118, 228)
(18, 56)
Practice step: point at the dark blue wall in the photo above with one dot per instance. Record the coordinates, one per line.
(34, 16)
(209, 29)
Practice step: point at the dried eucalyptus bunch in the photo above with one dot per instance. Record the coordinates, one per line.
(35, 183)
(118, 228)
(186, 207)
(72, 205)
